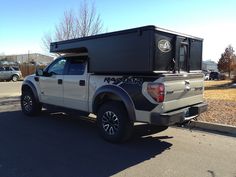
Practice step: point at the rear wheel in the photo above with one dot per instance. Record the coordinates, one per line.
(29, 105)
(15, 78)
(113, 122)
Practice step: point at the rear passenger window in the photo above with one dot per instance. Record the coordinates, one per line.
(76, 67)
(8, 69)
(16, 69)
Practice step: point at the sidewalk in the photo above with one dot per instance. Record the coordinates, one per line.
(9, 100)
(10, 89)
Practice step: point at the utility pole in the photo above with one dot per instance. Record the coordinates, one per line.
(28, 63)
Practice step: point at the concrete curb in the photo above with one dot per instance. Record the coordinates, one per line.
(214, 127)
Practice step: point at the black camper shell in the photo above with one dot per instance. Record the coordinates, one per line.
(140, 50)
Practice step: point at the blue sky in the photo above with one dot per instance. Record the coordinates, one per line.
(24, 22)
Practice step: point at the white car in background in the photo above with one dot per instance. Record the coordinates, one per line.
(10, 73)
(207, 76)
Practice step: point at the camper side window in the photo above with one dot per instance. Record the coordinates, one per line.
(182, 58)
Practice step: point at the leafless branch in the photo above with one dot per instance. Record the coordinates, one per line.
(74, 25)
(46, 40)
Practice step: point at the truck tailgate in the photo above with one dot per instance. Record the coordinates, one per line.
(182, 91)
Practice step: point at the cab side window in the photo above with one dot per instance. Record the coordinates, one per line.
(76, 67)
(58, 67)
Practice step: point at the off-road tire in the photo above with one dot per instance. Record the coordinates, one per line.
(29, 105)
(113, 122)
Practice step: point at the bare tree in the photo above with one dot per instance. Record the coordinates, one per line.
(89, 22)
(74, 25)
(46, 40)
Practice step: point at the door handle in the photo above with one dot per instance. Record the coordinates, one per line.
(59, 81)
(82, 82)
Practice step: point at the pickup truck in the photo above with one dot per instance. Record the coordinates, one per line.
(146, 74)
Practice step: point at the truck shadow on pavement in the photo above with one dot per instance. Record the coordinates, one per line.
(61, 146)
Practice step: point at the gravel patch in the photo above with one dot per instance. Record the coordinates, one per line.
(220, 111)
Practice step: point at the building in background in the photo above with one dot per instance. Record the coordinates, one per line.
(27, 63)
(209, 65)
(34, 58)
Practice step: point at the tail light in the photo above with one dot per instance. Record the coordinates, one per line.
(156, 91)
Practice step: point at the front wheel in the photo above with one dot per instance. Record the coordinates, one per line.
(29, 105)
(113, 122)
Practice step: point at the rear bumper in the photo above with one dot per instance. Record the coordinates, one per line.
(178, 116)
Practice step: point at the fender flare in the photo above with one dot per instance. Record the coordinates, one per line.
(29, 84)
(15, 74)
(120, 93)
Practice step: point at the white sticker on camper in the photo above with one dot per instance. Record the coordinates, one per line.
(164, 45)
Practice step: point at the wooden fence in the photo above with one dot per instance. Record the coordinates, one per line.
(28, 69)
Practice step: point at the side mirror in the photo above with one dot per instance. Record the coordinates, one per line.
(39, 72)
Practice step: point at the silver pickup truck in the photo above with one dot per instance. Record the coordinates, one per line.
(145, 74)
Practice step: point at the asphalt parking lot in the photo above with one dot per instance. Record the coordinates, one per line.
(56, 144)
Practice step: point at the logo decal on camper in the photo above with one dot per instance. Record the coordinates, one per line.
(164, 45)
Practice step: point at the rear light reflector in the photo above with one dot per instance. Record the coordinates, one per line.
(156, 91)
